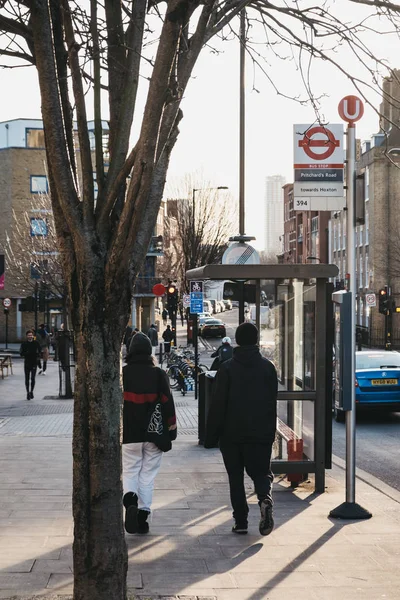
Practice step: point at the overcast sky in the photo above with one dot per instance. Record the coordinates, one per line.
(209, 138)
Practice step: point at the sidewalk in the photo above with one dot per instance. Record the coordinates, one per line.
(190, 551)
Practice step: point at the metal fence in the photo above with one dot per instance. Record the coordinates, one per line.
(375, 337)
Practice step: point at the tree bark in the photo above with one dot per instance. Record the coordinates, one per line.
(100, 558)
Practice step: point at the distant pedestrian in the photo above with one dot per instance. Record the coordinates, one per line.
(359, 340)
(242, 418)
(30, 352)
(43, 338)
(168, 337)
(221, 354)
(164, 316)
(153, 336)
(180, 308)
(146, 389)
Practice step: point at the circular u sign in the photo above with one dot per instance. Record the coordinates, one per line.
(329, 142)
(351, 109)
(7, 302)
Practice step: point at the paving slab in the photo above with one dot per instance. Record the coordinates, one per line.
(190, 553)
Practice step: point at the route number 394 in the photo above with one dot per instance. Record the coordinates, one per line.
(301, 203)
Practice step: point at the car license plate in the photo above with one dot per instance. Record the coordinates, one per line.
(384, 381)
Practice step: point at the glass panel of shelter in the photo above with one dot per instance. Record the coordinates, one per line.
(287, 337)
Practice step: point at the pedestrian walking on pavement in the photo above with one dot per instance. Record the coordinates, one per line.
(153, 336)
(242, 418)
(43, 338)
(164, 316)
(168, 337)
(30, 352)
(145, 385)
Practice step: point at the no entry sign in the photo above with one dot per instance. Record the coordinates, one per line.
(318, 167)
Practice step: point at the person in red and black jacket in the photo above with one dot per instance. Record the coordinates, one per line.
(144, 384)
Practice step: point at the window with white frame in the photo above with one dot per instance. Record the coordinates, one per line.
(360, 237)
(366, 180)
(39, 184)
(366, 225)
(361, 271)
(38, 227)
(366, 271)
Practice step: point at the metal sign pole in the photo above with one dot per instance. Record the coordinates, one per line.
(350, 509)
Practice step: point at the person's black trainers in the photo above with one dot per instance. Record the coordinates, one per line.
(130, 501)
(31, 395)
(240, 528)
(142, 516)
(28, 395)
(267, 521)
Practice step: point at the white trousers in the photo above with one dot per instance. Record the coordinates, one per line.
(141, 462)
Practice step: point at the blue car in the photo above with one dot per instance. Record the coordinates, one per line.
(378, 380)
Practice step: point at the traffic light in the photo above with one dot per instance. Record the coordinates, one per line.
(172, 297)
(384, 301)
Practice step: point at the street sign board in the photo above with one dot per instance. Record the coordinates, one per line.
(6, 302)
(351, 109)
(318, 167)
(370, 299)
(186, 300)
(196, 303)
(196, 286)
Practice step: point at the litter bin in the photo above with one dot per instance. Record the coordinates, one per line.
(206, 381)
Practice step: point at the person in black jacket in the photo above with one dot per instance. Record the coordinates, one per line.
(168, 337)
(30, 351)
(144, 385)
(221, 354)
(242, 418)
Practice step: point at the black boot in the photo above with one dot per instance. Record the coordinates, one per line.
(130, 501)
(142, 516)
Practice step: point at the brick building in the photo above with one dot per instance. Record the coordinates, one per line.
(377, 239)
(26, 219)
(305, 236)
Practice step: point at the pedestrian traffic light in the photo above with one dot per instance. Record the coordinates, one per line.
(384, 301)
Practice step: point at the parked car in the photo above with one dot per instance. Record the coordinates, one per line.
(202, 317)
(377, 381)
(228, 304)
(215, 306)
(212, 328)
(221, 305)
(207, 306)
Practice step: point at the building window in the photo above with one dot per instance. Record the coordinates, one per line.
(367, 184)
(366, 271)
(34, 138)
(39, 184)
(39, 269)
(360, 238)
(39, 227)
(366, 226)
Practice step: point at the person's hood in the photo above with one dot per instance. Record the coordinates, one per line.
(246, 355)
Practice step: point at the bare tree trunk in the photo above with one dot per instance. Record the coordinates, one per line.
(100, 558)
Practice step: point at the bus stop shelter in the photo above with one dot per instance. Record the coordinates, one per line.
(294, 315)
